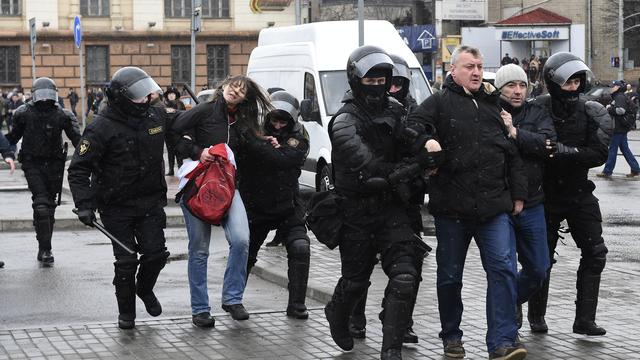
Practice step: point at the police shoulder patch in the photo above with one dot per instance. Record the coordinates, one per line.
(84, 146)
(155, 130)
(293, 142)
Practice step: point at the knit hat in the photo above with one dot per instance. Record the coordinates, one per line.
(509, 73)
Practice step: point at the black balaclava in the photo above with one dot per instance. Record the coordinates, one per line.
(373, 96)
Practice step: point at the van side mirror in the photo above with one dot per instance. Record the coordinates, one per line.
(307, 113)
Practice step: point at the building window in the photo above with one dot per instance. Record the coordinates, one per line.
(180, 64)
(9, 64)
(97, 64)
(215, 8)
(210, 8)
(217, 64)
(94, 7)
(177, 8)
(10, 7)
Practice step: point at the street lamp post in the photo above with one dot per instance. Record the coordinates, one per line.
(621, 39)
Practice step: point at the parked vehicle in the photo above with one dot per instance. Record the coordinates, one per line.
(310, 62)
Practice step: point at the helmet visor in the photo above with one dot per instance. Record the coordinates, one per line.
(142, 88)
(568, 69)
(286, 107)
(370, 61)
(401, 70)
(45, 94)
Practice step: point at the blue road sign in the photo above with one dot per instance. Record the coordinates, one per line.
(77, 31)
(419, 38)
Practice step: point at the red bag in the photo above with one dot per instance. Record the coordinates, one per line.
(209, 192)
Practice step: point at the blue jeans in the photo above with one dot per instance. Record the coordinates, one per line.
(236, 230)
(533, 251)
(620, 141)
(495, 239)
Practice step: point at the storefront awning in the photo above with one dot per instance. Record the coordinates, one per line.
(535, 17)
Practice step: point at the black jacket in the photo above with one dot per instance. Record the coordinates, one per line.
(207, 124)
(619, 111)
(6, 149)
(587, 128)
(119, 164)
(364, 145)
(534, 126)
(268, 176)
(41, 131)
(482, 172)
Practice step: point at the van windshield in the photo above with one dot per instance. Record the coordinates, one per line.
(334, 85)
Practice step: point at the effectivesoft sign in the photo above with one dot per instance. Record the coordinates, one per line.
(532, 34)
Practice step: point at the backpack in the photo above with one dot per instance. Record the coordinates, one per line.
(209, 192)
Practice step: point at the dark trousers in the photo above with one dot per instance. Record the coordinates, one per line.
(44, 177)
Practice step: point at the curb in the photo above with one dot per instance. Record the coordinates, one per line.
(316, 290)
(70, 224)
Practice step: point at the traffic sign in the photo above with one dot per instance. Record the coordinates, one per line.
(420, 38)
(77, 31)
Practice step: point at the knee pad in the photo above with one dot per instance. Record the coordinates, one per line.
(403, 265)
(158, 257)
(298, 249)
(41, 212)
(353, 287)
(596, 264)
(402, 286)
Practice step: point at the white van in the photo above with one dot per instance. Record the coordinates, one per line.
(310, 62)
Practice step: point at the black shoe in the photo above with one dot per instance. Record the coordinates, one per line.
(515, 352)
(297, 312)
(538, 325)
(588, 328)
(203, 320)
(126, 321)
(409, 336)
(1, 264)
(274, 242)
(391, 354)
(152, 304)
(46, 256)
(341, 337)
(454, 349)
(237, 311)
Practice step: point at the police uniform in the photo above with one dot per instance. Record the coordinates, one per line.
(118, 169)
(40, 124)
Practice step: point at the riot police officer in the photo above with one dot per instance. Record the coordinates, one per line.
(400, 83)
(583, 129)
(40, 123)
(118, 169)
(268, 182)
(365, 153)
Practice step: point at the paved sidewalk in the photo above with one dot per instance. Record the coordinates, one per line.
(271, 335)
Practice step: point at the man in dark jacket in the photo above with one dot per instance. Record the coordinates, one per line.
(365, 153)
(13, 103)
(7, 152)
(583, 129)
(475, 189)
(118, 169)
(73, 100)
(624, 118)
(40, 124)
(531, 127)
(269, 186)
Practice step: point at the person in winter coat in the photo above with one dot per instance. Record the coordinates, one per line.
(234, 109)
(624, 118)
(7, 152)
(478, 185)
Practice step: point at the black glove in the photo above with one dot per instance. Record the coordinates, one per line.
(87, 216)
(430, 160)
(560, 149)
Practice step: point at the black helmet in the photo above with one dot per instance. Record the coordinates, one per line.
(285, 106)
(128, 85)
(369, 61)
(44, 89)
(401, 77)
(172, 90)
(561, 67)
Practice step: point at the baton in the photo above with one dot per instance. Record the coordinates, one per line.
(102, 229)
(64, 162)
(190, 92)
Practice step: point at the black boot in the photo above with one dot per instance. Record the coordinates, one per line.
(588, 286)
(44, 230)
(397, 312)
(298, 277)
(125, 283)
(538, 309)
(150, 266)
(339, 308)
(357, 319)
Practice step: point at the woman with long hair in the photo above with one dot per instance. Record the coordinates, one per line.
(233, 111)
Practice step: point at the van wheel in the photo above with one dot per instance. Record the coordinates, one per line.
(325, 182)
